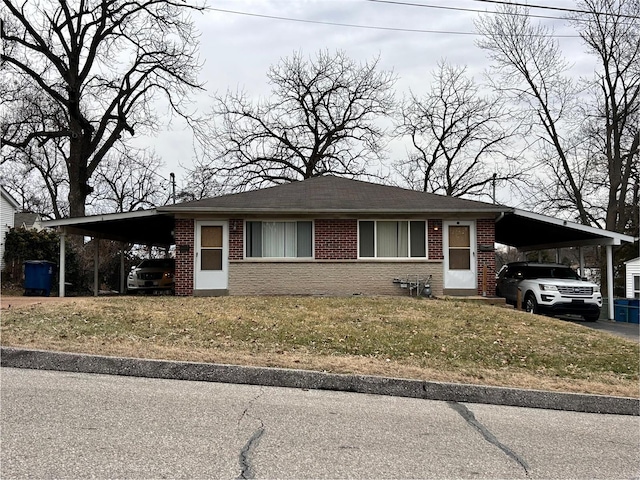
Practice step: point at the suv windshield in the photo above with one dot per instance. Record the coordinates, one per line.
(166, 263)
(532, 272)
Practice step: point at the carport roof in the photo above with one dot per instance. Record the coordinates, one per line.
(533, 231)
(144, 227)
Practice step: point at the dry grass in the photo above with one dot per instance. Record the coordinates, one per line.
(402, 337)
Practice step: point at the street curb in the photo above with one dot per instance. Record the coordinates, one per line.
(280, 377)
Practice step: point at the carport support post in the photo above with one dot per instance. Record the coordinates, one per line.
(63, 257)
(581, 261)
(96, 259)
(610, 281)
(122, 272)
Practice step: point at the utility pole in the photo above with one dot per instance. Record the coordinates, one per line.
(173, 186)
(494, 187)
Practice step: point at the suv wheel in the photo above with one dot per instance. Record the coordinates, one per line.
(591, 317)
(530, 304)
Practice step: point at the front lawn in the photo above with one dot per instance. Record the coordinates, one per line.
(440, 340)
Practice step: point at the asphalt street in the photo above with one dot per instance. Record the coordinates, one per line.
(78, 425)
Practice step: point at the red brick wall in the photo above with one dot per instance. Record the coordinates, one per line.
(486, 235)
(434, 237)
(336, 239)
(184, 235)
(236, 239)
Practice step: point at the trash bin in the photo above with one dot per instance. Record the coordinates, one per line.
(621, 309)
(38, 277)
(633, 311)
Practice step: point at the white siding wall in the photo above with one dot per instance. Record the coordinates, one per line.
(6, 222)
(633, 268)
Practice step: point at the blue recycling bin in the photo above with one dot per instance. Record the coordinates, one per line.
(38, 277)
(620, 310)
(633, 310)
(627, 310)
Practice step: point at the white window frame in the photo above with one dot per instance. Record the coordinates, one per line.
(375, 238)
(635, 291)
(279, 220)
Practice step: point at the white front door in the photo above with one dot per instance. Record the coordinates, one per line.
(459, 245)
(211, 255)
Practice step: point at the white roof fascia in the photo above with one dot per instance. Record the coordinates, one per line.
(9, 198)
(68, 222)
(617, 238)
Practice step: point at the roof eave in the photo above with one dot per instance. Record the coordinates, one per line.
(334, 211)
(64, 222)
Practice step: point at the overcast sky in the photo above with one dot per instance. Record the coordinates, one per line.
(240, 39)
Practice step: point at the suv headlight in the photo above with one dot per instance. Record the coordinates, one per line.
(596, 289)
(548, 287)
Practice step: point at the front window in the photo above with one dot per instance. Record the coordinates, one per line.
(392, 239)
(636, 286)
(279, 239)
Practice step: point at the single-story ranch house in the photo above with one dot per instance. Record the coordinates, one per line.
(334, 236)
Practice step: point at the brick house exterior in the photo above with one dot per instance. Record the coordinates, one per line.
(334, 236)
(336, 266)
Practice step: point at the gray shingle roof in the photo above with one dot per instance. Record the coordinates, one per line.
(334, 195)
(25, 218)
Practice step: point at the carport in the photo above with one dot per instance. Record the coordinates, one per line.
(526, 231)
(143, 227)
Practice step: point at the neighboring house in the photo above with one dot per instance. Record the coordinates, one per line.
(632, 278)
(28, 221)
(333, 236)
(8, 208)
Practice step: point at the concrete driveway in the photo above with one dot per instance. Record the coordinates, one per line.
(630, 331)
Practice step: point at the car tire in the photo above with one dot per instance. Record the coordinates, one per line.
(591, 317)
(530, 303)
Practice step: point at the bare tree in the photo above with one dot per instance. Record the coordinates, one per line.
(611, 32)
(26, 185)
(459, 137)
(100, 64)
(127, 180)
(322, 118)
(588, 144)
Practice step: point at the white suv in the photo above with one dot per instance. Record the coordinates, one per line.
(549, 288)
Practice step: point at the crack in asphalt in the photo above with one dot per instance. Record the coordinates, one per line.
(488, 436)
(246, 454)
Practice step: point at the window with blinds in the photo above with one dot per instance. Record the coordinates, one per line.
(392, 239)
(292, 239)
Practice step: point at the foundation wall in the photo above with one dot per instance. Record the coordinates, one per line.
(329, 278)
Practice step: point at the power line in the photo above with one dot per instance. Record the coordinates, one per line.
(559, 9)
(475, 10)
(458, 9)
(368, 27)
